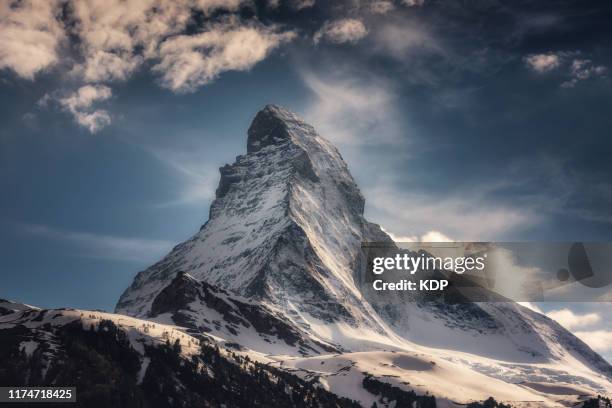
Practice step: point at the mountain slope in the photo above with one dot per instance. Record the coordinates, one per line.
(285, 228)
(204, 308)
(284, 237)
(119, 361)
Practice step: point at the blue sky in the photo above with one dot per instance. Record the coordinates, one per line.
(480, 121)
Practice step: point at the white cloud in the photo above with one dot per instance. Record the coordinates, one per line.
(114, 38)
(80, 102)
(30, 36)
(598, 340)
(351, 109)
(112, 32)
(380, 6)
(348, 30)
(188, 62)
(578, 69)
(200, 177)
(103, 66)
(301, 4)
(413, 3)
(401, 40)
(465, 217)
(103, 246)
(571, 320)
(93, 121)
(85, 96)
(543, 62)
(532, 306)
(430, 236)
(582, 69)
(435, 236)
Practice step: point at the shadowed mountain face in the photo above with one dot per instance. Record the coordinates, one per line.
(275, 270)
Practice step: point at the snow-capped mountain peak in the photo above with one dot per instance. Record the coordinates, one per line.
(285, 227)
(283, 245)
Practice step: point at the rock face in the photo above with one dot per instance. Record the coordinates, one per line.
(203, 308)
(275, 270)
(285, 228)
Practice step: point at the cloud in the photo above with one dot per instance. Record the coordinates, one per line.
(348, 30)
(188, 62)
(543, 62)
(465, 217)
(104, 41)
(430, 236)
(301, 4)
(401, 39)
(30, 35)
(117, 36)
(582, 69)
(102, 66)
(80, 102)
(571, 320)
(578, 69)
(93, 121)
(412, 3)
(85, 96)
(200, 177)
(598, 340)
(380, 6)
(532, 306)
(103, 246)
(435, 236)
(351, 108)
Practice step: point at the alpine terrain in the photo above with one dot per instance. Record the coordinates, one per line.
(264, 302)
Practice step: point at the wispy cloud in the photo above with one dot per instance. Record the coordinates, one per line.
(543, 62)
(430, 236)
(229, 46)
(347, 30)
(588, 322)
(189, 158)
(380, 6)
(403, 39)
(79, 104)
(573, 64)
(598, 340)
(88, 244)
(571, 320)
(465, 217)
(582, 69)
(350, 108)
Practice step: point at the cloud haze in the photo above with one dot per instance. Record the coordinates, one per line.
(348, 30)
(102, 246)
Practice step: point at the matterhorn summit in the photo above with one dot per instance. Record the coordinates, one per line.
(285, 228)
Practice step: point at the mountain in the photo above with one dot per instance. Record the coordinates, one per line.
(284, 229)
(284, 235)
(270, 291)
(119, 361)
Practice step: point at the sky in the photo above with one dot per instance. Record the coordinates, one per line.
(480, 120)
